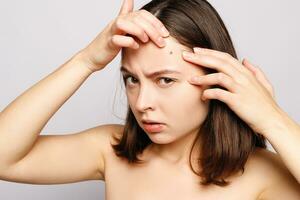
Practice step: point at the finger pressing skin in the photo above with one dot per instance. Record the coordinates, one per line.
(221, 55)
(215, 79)
(124, 41)
(213, 63)
(150, 30)
(219, 94)
(131, 28)
(155, 22)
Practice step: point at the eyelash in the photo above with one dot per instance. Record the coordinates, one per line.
(160, 78)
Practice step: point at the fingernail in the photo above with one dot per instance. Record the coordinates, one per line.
(161, 41)
(165, 32)
(195, 79)
(187, 54)
(145, 38)
(197, 49)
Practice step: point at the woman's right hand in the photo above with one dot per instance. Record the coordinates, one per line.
(121, 32)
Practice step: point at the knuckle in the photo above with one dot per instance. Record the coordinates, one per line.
(227, 82)
(140, 32)
(218, 93)
(227, 55)
(222, 62)
(220, 77)
(144, 36)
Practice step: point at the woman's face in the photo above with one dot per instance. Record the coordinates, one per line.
(166, 98)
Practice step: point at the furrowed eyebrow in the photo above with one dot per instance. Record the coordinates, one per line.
(152, 74)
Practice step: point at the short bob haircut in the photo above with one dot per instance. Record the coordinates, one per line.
(227, 141)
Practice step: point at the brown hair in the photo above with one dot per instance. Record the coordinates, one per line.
(226, 140)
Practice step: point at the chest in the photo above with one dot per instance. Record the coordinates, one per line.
(155, 181)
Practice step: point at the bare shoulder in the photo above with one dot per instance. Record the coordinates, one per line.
(105, 134)
(276, 180)
(108, 130)
(101, 137)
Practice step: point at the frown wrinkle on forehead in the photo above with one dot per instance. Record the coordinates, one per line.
(154, 61)
(151, 74)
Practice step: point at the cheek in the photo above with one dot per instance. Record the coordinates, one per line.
(130, 100)
(189, 104)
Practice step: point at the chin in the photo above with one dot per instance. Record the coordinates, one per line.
(160, 138)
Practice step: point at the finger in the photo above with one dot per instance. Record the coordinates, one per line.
(258, 72)
(221, 55)
(155, 22)
(124, 41)
(150, 30)
(126, 7)
(250, 66)
(259, 75)
(131, 28)
(215, 79)
(219, 94)
(213, 63)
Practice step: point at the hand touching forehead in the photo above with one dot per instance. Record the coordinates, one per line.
(148, 58)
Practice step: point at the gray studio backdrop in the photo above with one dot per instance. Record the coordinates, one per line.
(36, 37)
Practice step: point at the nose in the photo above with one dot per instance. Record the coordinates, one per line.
(144, 100)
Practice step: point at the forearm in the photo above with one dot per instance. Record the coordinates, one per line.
(23, 119)
(285, 138)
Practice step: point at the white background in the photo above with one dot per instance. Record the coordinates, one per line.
(36, 37)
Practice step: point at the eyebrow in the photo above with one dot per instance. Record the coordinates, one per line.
(152, 74)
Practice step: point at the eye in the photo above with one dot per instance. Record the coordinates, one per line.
(130, 80)
(126, 77)
(166, 80)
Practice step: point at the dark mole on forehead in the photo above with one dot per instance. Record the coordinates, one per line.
(171, 52)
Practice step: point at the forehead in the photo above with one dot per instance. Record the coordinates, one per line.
(149, 57)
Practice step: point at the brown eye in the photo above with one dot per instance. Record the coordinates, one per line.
(133, 80)
(166, 81)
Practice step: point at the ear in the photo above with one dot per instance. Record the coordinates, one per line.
(126, 7)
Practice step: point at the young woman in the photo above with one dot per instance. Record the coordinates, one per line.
(183, 138)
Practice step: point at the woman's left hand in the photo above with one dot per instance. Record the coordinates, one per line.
(249, 94)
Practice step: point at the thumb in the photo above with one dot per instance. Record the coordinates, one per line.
(126, 7)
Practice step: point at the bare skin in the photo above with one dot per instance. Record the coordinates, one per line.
(28, 157)
(160, 179)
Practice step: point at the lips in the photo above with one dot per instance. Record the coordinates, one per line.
(153, 128)
(147, 121)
